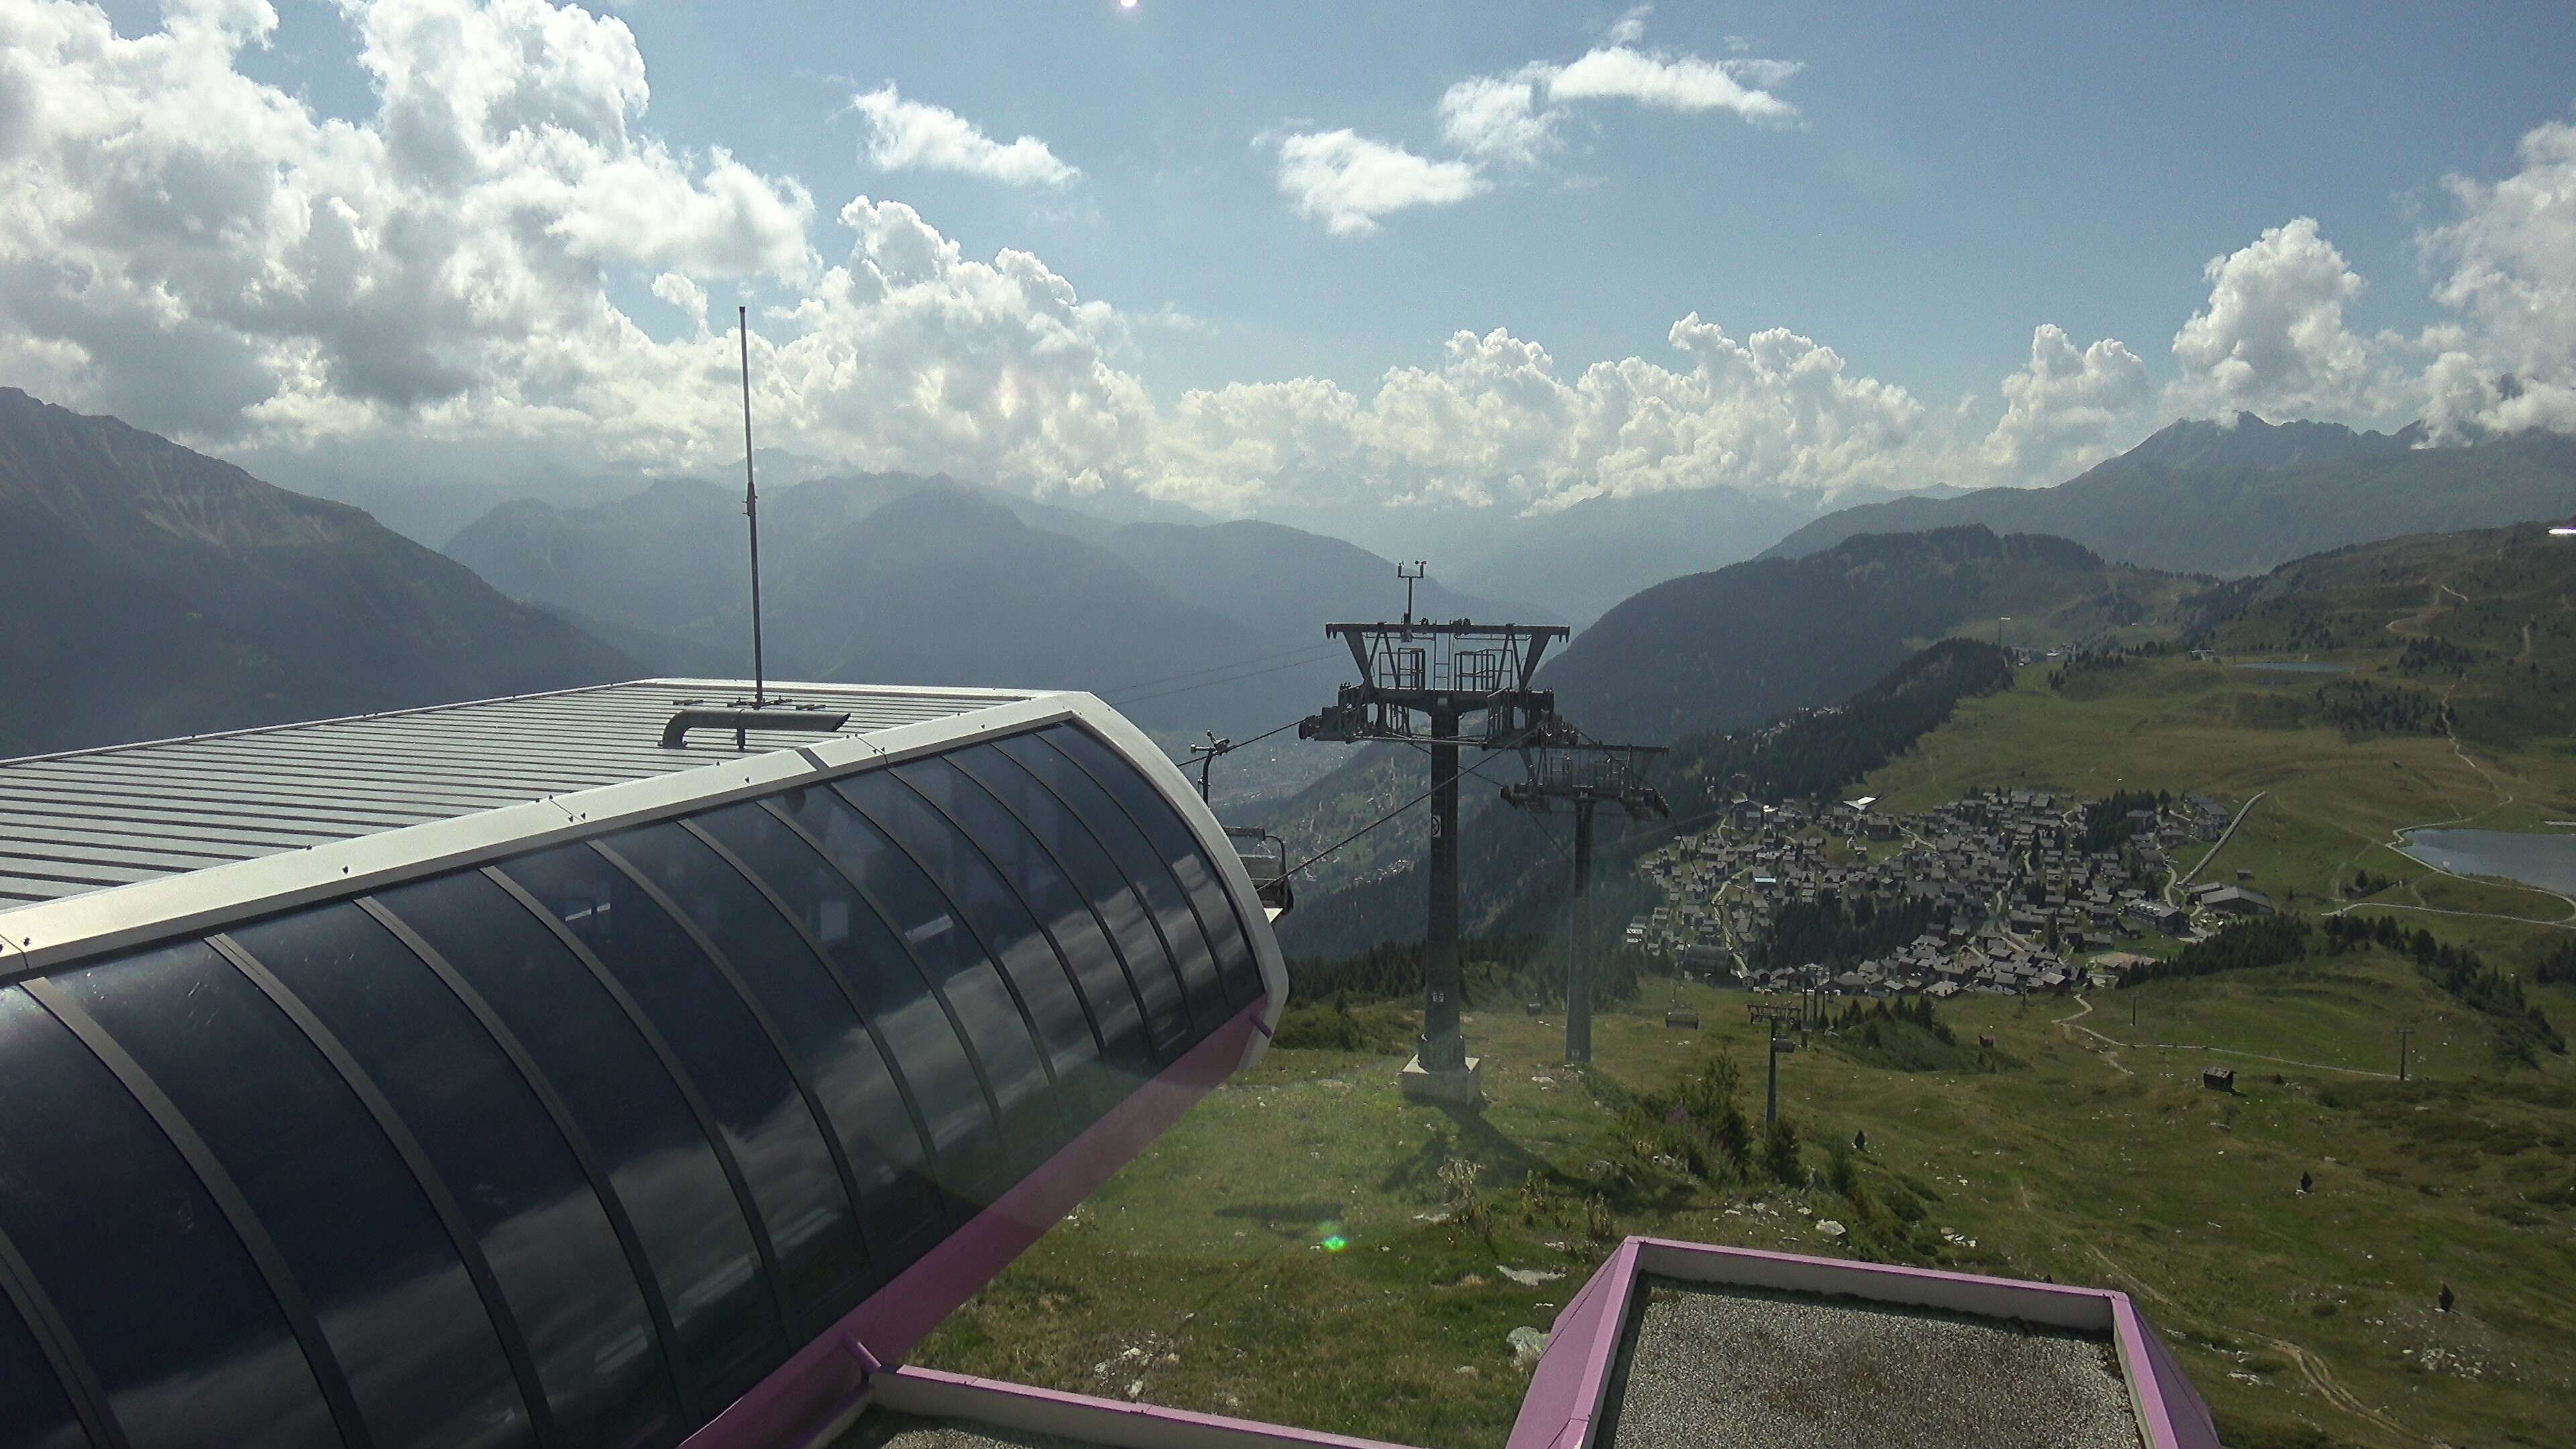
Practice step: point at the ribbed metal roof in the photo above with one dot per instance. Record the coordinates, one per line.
(95, 819)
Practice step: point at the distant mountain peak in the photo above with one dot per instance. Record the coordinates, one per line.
(2247, 441)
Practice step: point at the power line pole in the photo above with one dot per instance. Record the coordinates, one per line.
(1441, 675)
(2403, 1033)
(1585, 775)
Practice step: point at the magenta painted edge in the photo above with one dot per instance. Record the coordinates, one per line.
(1891, 1270)
(1567, 1391)
(820, 1379)
(2178, 1417)
(1001, 1389)
(1573, 1373)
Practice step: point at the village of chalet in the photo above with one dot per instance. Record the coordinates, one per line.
(2012, 901)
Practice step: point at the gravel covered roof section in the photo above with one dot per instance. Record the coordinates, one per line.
(1754, 1368)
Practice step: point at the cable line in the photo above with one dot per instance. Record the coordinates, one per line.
(1476, 770)
(1212, 683)
(1315, 649)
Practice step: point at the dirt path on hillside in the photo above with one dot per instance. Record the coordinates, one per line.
(2112, 1046)
(2313, 1369)
(2108, 1053)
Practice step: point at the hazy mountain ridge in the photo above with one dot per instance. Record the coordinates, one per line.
(900, 578)
(152, 591)
(2210, 498)
(1585, 558)
(1746, 643)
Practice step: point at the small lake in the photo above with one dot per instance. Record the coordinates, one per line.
(2546, 861)
(2294, 666)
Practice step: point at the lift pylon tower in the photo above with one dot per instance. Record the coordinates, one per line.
(1444, 686)
(1584, 775)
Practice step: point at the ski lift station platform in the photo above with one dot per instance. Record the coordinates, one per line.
(649, 1065)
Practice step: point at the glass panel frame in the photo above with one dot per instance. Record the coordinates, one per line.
(350, 1222)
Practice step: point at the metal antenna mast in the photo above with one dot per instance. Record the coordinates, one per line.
(751, 512)
(1445, 674)
(1562, 766)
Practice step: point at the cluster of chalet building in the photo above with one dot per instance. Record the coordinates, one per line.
(2017, 899)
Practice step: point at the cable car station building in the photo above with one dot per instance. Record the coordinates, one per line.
(620, 1067)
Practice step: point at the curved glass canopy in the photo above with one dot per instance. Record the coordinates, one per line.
(573, 1147)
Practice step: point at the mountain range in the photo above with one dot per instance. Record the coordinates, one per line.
(1743, 644)
(149, 590)
(2239, 497)
(927, 580)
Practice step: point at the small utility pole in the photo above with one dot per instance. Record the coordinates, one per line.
(751, 514)
(1771, 1099)
(2403, 1033)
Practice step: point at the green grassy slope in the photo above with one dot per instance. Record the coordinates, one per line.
(1203, 1276)
(2486, 621)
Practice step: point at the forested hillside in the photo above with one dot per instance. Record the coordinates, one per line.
(1750, 642)
(2475, 629)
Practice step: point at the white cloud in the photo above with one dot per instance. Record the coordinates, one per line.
(203, 254)
(190, 248)
(1497, 118)
(1494, 423)
(1515, 120)
(440, 280)
(913, 135)
(1348, 181)
(2067, 409)
(1674, 82)
(2511, 259)
(2272, 341)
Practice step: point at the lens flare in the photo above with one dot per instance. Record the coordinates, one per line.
(1336, 1243)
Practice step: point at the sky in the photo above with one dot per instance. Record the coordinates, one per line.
(1283, 259)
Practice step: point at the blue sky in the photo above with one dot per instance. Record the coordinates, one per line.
(1932, 184)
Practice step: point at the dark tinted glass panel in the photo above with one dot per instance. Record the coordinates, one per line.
(521, 1190)
(1072, 844)
(353, 1226)
(1043, 887)
(875, 970)
(180, 1328)
(35, 1413)
(1179, 847)
(827, 1265)
(628, 1108)
(1143, 866)
(949, 955)
(996, 917)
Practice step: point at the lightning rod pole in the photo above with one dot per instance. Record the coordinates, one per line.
(751, 513)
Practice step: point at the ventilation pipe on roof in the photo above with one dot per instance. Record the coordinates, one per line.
(675, 734)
